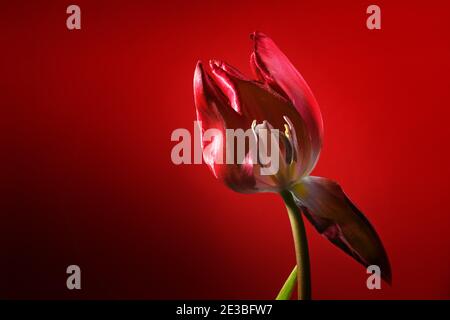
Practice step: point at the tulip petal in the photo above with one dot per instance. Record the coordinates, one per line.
(214, 111)
(255, 101)
(212, 105)
(272, 66)
(335, 217)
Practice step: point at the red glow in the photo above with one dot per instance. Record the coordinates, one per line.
(88, 180)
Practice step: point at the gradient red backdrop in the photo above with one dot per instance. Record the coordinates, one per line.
(87, 177)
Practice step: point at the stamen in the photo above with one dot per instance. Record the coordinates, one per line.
(256, 132)
(289, 123)
(286, 130)
(288, 148)
(292, 136)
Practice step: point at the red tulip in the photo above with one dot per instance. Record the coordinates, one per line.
(280, 99)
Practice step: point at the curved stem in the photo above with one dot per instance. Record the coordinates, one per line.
(301, 246)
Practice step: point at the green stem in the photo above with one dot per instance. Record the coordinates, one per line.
(288, 287)
(301, 246)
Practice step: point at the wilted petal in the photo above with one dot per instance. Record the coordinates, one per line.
(333, 214)
(271, 66)
(214, 111)
(213, 108)
(257, 102)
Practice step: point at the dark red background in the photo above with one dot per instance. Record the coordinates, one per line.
(86, 173)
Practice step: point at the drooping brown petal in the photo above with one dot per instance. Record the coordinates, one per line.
(272, 66)
(333, 214)
(257, 102)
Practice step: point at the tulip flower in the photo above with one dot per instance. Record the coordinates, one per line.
(279, 98)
